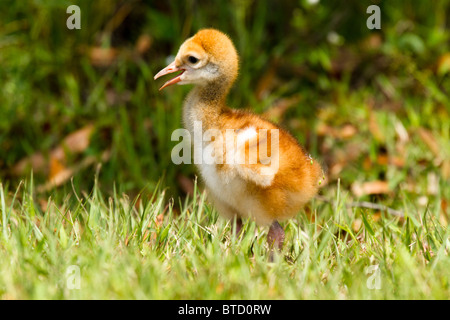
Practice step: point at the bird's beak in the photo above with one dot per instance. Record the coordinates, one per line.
(170, 69)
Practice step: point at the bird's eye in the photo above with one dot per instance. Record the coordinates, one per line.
(192, 59)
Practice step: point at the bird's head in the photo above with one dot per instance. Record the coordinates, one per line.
(207, 57)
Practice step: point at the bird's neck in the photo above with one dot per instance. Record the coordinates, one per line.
(206, 103)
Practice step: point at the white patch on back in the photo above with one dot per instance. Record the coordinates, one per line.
(245, 135)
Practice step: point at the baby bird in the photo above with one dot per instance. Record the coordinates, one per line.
(258, 170)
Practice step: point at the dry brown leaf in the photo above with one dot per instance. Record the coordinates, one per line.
(79, 140)
(56, 167)
(382, 159)
(60, 178)
(373, 41)
(143, 43)
(398, 161)
(345, 132)
(102, 57)
(66, 174)
(371, 187)
(36, 162)
(74, 143)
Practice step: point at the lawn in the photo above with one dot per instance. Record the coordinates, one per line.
(92, 206)
(96, 247)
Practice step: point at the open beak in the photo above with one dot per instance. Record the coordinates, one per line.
(170, 69)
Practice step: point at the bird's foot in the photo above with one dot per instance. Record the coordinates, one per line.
(275, 239)
(237, 227)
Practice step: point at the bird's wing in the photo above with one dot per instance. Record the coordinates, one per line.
(256, 155)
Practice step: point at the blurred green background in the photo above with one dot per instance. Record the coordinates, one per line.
(372, 105)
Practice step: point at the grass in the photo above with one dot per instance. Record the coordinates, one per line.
(371, 105)
(145, 249)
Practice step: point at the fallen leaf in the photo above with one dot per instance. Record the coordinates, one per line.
(143, 43)
(373, 41)
(60, 178)
(74, 143)
(36, 162)
(398, 161)
(345, 132)
(371, 187)
(382, 159)
(66, 174)
(56, 167)
(102, 57)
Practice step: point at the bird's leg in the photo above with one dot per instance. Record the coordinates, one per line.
(275, 238)
(238, 227)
